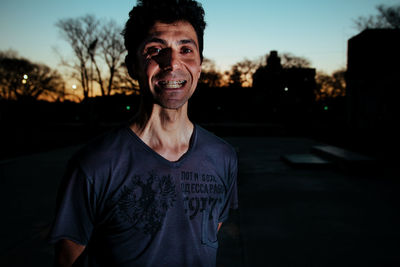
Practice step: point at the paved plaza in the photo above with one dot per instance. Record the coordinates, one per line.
(289, 215)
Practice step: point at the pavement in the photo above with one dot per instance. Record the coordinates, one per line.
(288, 216)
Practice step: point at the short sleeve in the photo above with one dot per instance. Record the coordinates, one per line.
(231, 200)
(75, 209)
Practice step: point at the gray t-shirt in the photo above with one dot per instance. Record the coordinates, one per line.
(131, 207)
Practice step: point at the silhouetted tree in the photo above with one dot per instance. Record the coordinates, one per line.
(210, 76)
(242, 72)
(125, 85)
(81, 34)
(99, 52)
(330, 86)
(235, 77)
(22, 79)
(289, 60)
(388, 17)
(112, 51)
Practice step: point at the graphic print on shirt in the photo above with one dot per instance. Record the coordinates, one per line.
(202, 194)
(144, 202)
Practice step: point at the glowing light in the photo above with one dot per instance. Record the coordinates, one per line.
(74, 87)
(25, 77)
(128, 107)
(326, 108)
(286, 89)
(23, 81)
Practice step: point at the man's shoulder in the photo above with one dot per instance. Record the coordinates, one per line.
(103, 149)
(210, 141)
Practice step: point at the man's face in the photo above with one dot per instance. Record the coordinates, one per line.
(168, 63)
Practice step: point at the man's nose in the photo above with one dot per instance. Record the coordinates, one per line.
(167, 59)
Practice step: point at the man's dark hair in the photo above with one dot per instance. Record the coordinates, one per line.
(144, 15)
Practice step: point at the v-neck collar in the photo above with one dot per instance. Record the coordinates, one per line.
(177, 163)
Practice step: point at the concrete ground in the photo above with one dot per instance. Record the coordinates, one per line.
(287, 216)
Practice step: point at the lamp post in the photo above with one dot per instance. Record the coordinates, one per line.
(25, 79)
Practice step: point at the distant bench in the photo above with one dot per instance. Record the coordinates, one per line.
(323, 156)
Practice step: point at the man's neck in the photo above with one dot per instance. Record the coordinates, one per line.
(166, 131)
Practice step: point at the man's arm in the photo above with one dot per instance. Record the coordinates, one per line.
(219, 226)
(66, 252)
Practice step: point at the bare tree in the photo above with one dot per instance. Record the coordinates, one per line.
(388, 17)
(112, 51)
(241, 73)
(99, 52)
(81, 34)
(330, 86)
(210, 76)
(22, 79)
(289, 60)
(126, 85)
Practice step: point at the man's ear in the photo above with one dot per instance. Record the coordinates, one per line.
(130, 65)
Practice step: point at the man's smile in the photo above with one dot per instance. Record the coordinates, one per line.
(171, 84)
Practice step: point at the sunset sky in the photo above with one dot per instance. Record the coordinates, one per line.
(315, 29)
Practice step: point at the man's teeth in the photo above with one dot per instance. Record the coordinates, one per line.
(171, 84)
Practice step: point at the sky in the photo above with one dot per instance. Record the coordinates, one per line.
(317, 30)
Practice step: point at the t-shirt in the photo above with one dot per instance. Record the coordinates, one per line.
(131, 207)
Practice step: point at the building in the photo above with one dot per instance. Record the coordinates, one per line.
(373, 79)
(286, 92)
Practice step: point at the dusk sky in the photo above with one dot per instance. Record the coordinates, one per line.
(315, 29)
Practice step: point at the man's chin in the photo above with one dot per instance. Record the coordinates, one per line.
(172, 104)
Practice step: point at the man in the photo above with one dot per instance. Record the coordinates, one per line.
(154, 193)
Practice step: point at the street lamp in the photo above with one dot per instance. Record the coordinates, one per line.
(25, 79)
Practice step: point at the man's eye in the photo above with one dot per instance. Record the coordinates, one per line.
(186, 50)
(153, 51)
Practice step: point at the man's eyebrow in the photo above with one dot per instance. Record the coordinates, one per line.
(155, 40)
(163, 42)
(188, 41)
